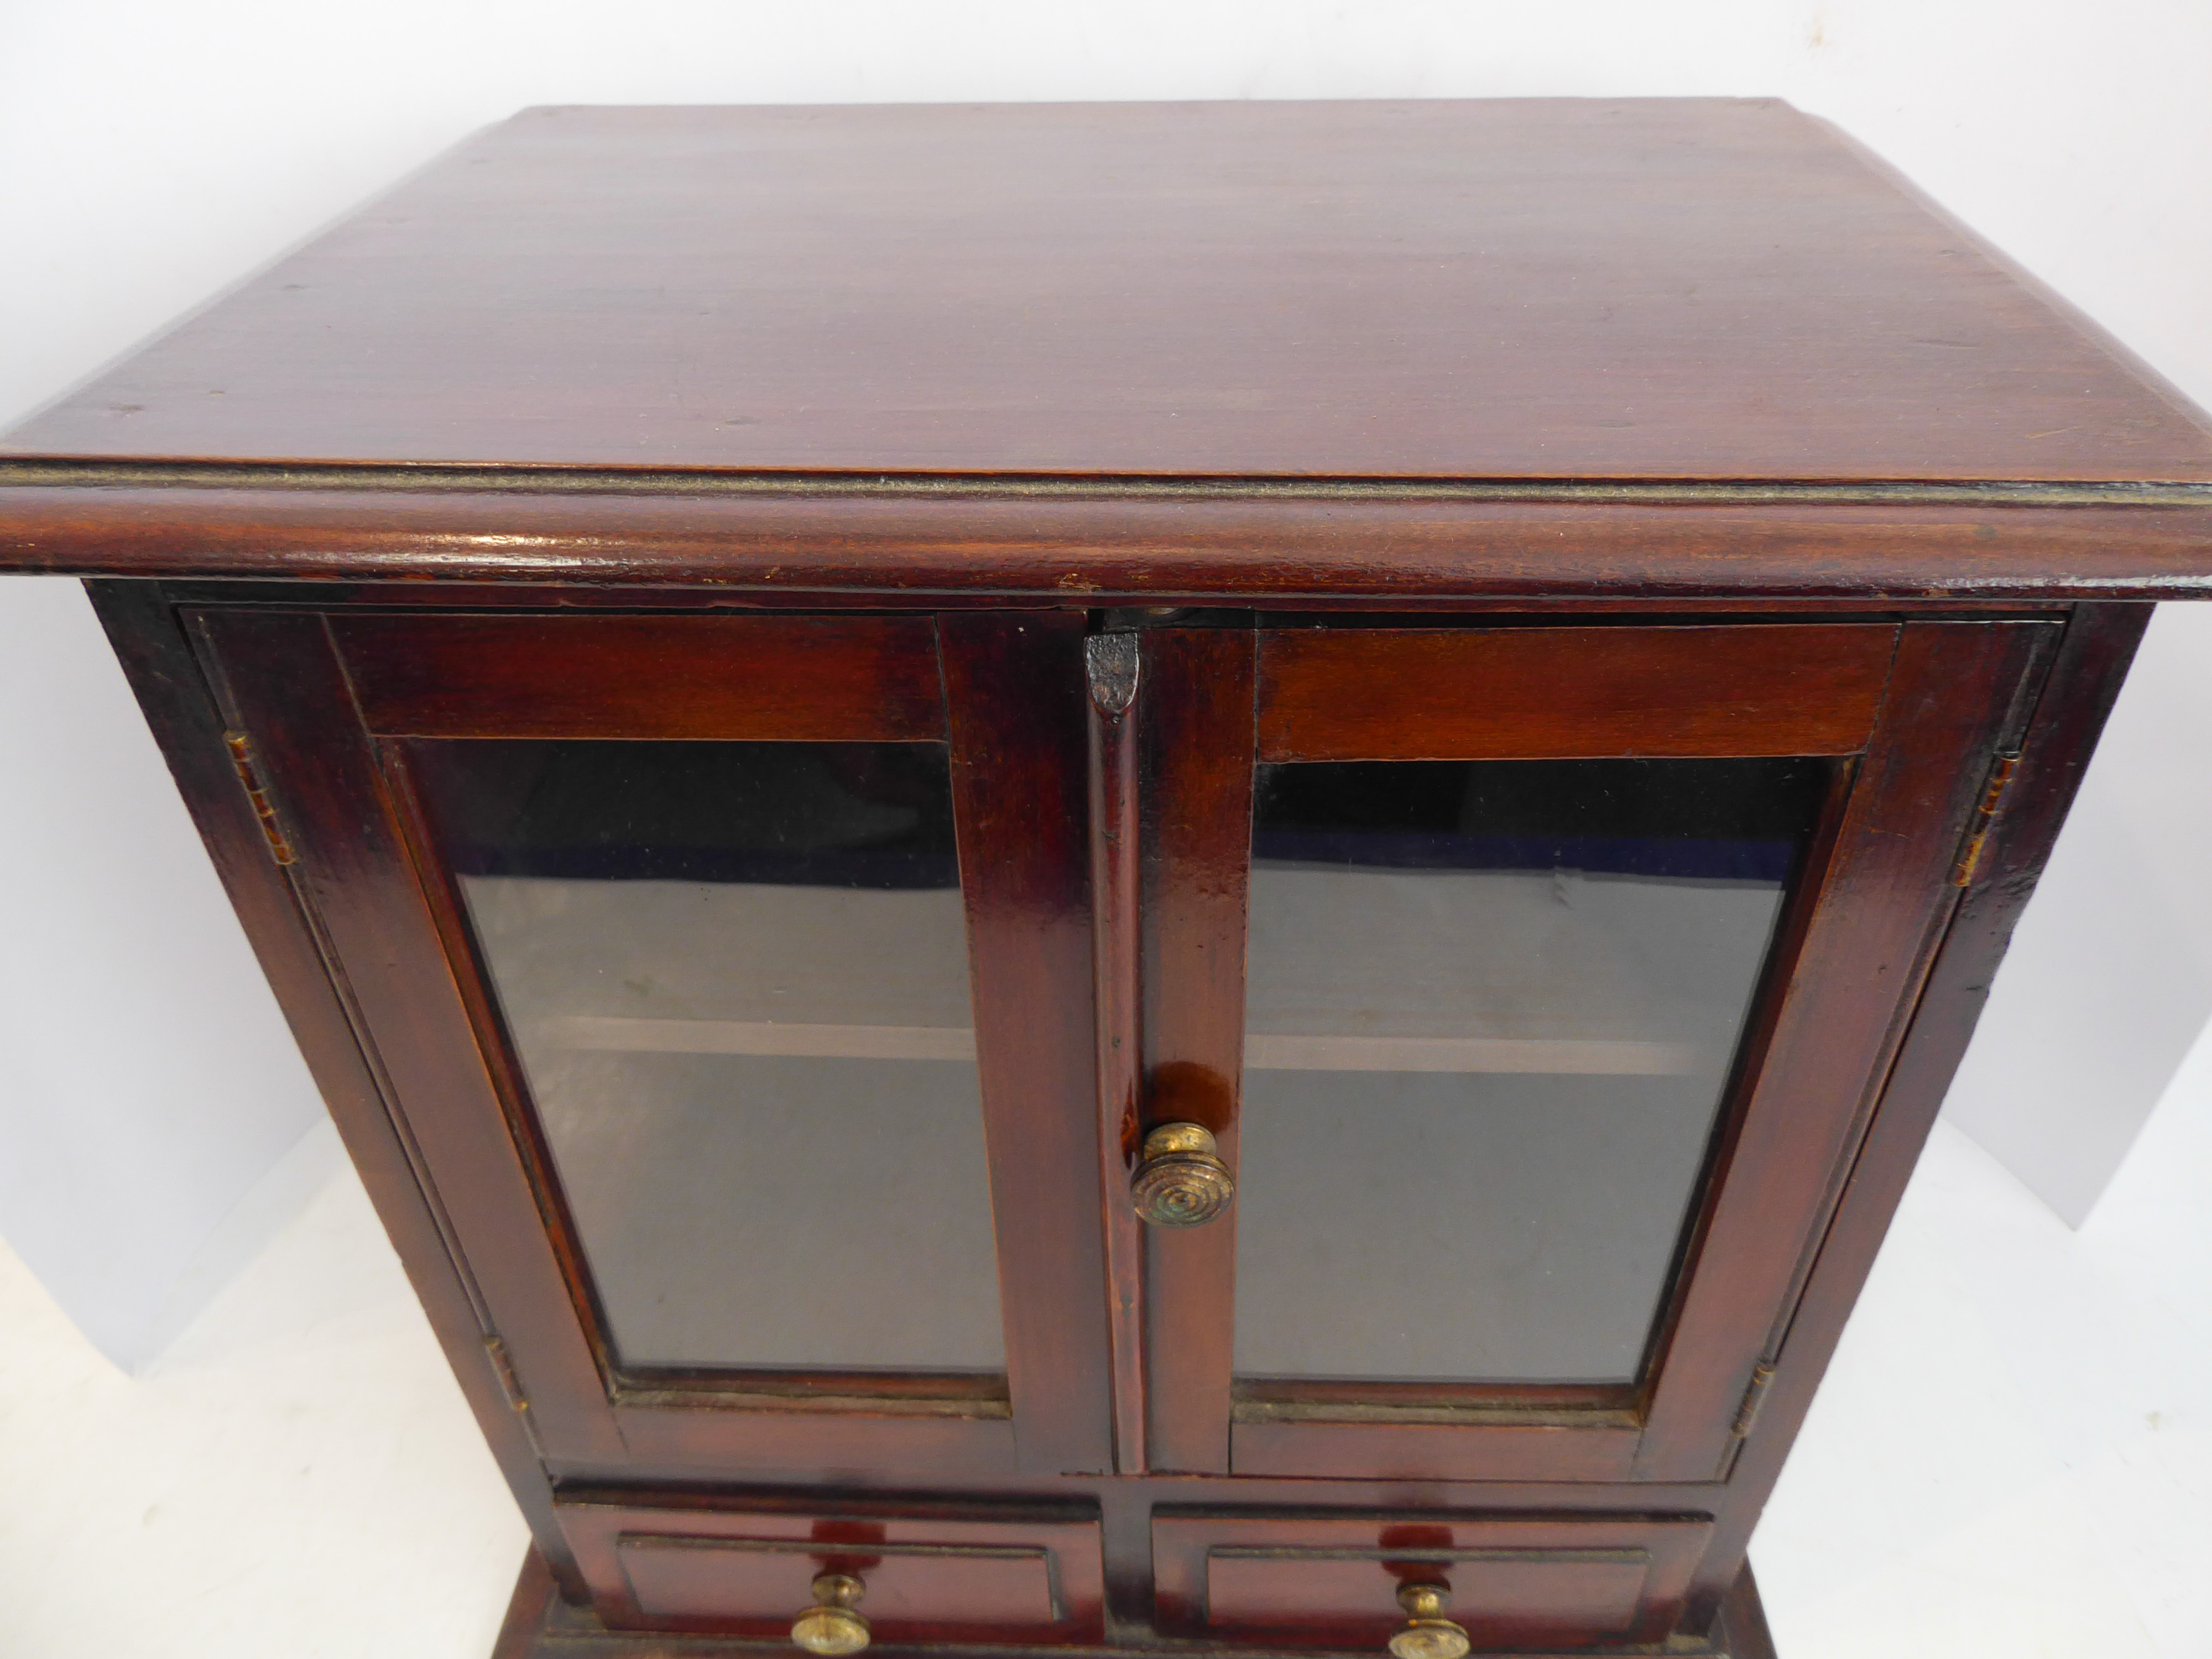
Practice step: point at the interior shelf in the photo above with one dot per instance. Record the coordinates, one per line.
(1461, 971)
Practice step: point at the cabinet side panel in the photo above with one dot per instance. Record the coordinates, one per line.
(1884, 901)
(2084, 679)
(1015, 690)
(356, 880)
(143, 629)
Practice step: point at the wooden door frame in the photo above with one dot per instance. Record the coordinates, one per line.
(326, 696)
(1915, 710)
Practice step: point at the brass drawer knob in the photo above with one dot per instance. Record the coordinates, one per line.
(830, 1626)
(1427, 1634)
(1181, 1181)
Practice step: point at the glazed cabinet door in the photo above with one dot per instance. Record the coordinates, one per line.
(1532, 984)
(729, 979)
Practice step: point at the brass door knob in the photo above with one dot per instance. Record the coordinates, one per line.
(1181, 1181)
(1426, 1634)
(830, 1626)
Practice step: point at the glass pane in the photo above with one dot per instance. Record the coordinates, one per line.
(736, 975)
(1492, 1007)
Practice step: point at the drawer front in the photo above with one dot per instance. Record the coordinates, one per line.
(940, 1573)
(1331, 1580)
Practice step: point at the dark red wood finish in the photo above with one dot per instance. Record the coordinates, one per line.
(1383, 367)
(1331, 1580)
(1927, 729)
(1014, 687)
(387, 903)
(1290, 543)
(1626, 290)
(2054, 740)
(934, 1573)
(1403, 694)
(797, 679)
(1194, 700)
(1114, 668)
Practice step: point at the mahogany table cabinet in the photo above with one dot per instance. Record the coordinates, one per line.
(1171, 878)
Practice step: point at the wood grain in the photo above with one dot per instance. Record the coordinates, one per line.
(1592, 1445)
(1015, 687)
(1883, 904)
(2054, 747)
(1516, 1582)
(1194, 706)
(149, 640)
(796, 679)
(1620, 289)
(1117, 929)
(1303, 546)
(935, 1572)
(1557, 693)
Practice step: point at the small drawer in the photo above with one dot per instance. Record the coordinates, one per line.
(1332, 1580)
(936, 1573)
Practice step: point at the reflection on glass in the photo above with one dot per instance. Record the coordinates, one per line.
(1492, 1007)
(736, 975)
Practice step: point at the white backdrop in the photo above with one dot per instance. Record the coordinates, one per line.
(152, 153)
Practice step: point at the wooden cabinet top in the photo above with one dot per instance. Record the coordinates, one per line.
(1466, 331)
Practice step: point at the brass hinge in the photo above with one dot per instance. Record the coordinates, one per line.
(1747, 1414)
(241, 761)
(507, 1380)
(1986, 816)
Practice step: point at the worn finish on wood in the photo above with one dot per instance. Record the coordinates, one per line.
(1303, 545)
(1394, 694)
(1021, 377)
(1622, 288)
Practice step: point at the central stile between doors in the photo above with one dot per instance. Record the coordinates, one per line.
(816, 982)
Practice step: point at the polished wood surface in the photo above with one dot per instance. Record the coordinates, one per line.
(1812, 1076)
(1307, 546)
(1879, 888)
(849, 680)
(1555, 693)
(2055, 740)
(1017, 695)
(933, 1572)
(816, 1438)
(1513, 288)
(1516, 1582)
(1194, 705)
(540, 1626)
(189, 718)
(1771, 460)
(1115, 665)
(389, 905)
